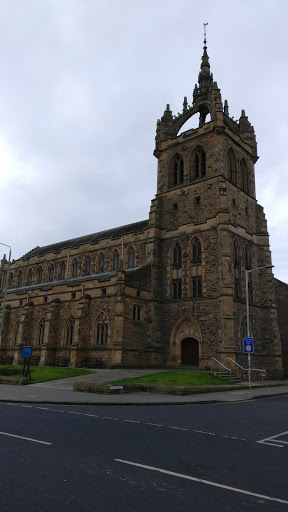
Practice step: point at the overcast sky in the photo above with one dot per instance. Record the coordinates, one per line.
(82, 85)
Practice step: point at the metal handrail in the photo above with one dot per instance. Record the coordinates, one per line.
(246, 369)
(221, 364)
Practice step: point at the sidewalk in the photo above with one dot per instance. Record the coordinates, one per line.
(61, 392)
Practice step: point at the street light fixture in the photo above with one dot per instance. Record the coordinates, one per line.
(5, 292)
(248, 313)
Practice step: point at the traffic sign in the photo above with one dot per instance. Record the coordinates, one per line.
(248, 345)
(26, 351)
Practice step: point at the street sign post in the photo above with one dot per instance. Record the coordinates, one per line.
(26, 354)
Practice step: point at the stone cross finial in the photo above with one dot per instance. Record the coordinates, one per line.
(205, 25)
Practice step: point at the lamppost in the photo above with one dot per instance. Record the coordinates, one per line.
(248, 313)
(5, 292)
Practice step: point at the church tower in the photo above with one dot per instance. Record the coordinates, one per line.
(210, 230)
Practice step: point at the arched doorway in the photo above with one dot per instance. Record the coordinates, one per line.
(190, 352)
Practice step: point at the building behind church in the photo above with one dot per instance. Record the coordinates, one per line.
(169, 290)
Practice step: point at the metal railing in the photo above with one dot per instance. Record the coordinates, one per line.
(263, 372)
(221, 365)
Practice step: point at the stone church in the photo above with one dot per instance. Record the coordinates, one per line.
(169, 290)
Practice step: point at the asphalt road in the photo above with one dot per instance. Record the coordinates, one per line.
(220, 457)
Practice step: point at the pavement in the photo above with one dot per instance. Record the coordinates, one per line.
(61, 392)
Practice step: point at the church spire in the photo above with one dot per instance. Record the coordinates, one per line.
(205, 66)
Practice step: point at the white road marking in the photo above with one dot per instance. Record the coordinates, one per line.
(29, 406)
(25, 438)
(109, 418)
(154, 424)
(132, 421)
(57, 410)
(274, 439)
(43, 408)
(201, 481)
(72, 412)
(178, 428)
(203, 432)
(93, 415)
(12, 404)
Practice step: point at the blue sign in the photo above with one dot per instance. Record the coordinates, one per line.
(26, 351)
(248, 345)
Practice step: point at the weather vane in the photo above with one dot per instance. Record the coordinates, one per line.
(205, 25)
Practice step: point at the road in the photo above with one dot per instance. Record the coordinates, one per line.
(213, 457)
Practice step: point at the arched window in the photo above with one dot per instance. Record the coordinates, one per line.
(10, 280)
(29, 277)
(102, 330)
(199, 163)
(244, 175)
(116, 260)
(177, 171)
(62, 270)
(237, 270)
(75, 267)
(69, 331)
(177, 255)
(19, 278)
(39, 274)
(131, 258)
(101, 264)
(232, 170)
(196, 251)
(41, 331)
(16, 332)
(87, 266)
(50, 272)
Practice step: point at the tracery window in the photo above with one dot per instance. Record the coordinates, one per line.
(39, 274)
(69, 334)
(237, 270)
(116, 260)
(101, 265)
(199, 163)
(29, 277)
(102, 330)
(75, 267)
(176, 288)
(196, 251)
(131, 258)
(19, 278)
(197, 286)
(87, 266)
(41, 331)
(16, 333)
(62, 270)
(177, 170)
(50, 272)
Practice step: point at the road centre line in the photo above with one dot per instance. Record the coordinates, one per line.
(130, 421)
(43, 408)
(25, 438)
(56, 410)
(109, 418)
(29, 406)
(201, 481)
(73, 412)
(93, 415)
(177, 428)
(154, 424)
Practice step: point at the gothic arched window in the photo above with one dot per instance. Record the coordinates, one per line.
(10, 280)
(102, 330)
(177, 255)
(237, 270)
(177, 170)
(244, 176)
(50, 272)
(199, 163)
(131, 258)
(87, 266)
(116, 260)
(62, 270)
(69, 331)
(39, 274)
(232, 169)
(41, 331)
(196, 251)
(101, 264)
(19, 278)
(75, 267)
(29, 277)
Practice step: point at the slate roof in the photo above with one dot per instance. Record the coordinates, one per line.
(136, 227)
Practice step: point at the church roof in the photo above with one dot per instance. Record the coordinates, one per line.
(136, 227)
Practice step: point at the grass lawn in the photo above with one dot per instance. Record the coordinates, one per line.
(176, 378)
(44, 373)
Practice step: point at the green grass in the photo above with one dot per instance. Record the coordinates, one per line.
(45, 373)
(176, 378)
